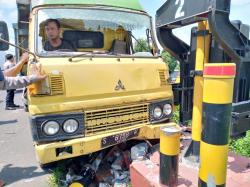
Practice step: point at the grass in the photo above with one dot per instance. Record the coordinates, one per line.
(57, 175)
(241, 146)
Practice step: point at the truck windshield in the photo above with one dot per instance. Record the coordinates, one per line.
(89, 30)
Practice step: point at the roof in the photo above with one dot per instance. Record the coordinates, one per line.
(128, 4)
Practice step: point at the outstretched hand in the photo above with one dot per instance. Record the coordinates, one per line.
(24, 58)
(37, 72)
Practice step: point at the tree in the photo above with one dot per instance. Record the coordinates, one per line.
(169, 60)
(141, 46)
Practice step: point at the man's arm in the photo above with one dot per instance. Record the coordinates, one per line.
(16, 82)
(20, 82)
(12, 72)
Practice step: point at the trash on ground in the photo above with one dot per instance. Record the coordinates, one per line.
(110, 167)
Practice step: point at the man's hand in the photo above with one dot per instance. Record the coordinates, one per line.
(12, 72)
(37, 72)
(24, 58)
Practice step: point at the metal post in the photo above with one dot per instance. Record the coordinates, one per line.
(76, 184)
(202, 57)
(217, 107)
(169, 154)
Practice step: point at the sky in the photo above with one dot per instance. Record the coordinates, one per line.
(240, 10)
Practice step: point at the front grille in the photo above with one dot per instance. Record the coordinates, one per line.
(103, 120)
(56, 84)
(162, 75)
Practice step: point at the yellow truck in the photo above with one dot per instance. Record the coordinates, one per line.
(102, 93)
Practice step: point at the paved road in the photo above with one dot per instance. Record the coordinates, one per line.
(18, 165)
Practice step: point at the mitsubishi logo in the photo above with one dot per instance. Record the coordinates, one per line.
(119, 86)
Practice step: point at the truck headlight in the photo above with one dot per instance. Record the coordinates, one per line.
(157, 112)
(50, 128)
(70, 126)
(167, 109)
(160, 111)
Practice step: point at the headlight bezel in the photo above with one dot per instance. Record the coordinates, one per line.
(37, 127)
(160, 104)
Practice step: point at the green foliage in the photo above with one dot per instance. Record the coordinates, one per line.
(169, 60)
(241, 146)
(176, 115)
(141, 46)
(57, 175)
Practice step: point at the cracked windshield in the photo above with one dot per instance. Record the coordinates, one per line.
(87, 30)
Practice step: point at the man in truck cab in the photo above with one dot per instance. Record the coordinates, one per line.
(53, 30)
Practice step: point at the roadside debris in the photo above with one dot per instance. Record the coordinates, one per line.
(110, 167)
(106, 168)
(139, 151)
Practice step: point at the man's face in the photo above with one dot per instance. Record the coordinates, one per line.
(12, 60)
(52, 31)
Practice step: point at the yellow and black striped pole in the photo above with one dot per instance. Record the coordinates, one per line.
(202, 57)
(76, 184)
(169, 155)
(217, 107)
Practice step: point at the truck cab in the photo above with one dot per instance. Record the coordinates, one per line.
(110, 88)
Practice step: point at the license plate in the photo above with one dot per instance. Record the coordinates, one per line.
(119, 138)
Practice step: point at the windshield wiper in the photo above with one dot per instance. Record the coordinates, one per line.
(138, 41)
(87, 53)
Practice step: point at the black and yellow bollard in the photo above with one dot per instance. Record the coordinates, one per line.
(216, 119)
(169, 154)
(76, 184)
(202, 57)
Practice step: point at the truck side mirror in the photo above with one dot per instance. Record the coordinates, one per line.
(4, 35)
